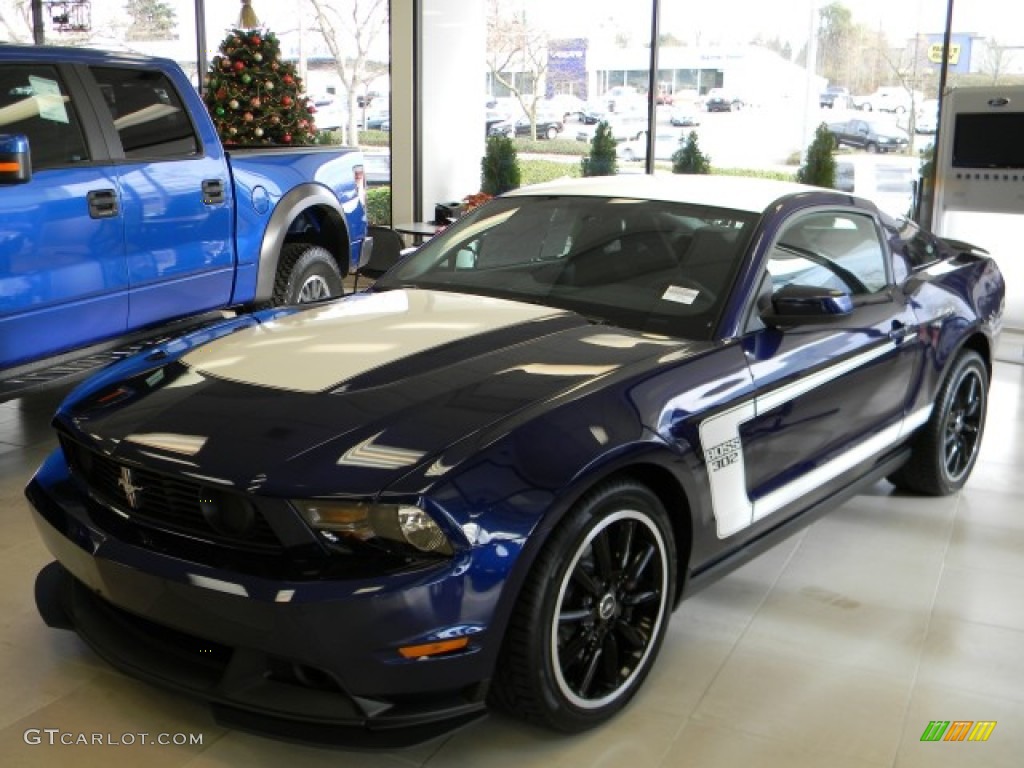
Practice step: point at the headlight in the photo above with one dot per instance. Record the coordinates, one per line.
(365, 521)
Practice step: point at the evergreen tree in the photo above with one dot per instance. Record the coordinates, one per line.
(151, 20)
(499, 168)
(601, 161)
(688, 158)
(819, 168)
(253, 96)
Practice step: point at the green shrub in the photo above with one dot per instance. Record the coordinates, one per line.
(689, 159)
(819, 169)
(567, 146)
(378, 206)
(536, 170)
(754, 173)
(499, 167)
(601, 160)
(370, 138)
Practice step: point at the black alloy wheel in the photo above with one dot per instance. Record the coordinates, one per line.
(946, 449)
(592, 616)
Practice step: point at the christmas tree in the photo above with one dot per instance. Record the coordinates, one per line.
(253, 96)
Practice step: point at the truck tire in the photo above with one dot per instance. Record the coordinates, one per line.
(306, 273)
(872, 148)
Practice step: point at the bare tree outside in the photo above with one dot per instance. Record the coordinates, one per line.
(998, 59)
(350, 34)
(16, 20)
(151, 20)
(517, 57)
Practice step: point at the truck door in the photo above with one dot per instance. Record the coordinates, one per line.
(176, 198)
(63, 277)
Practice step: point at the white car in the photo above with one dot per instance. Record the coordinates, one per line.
(665, 145)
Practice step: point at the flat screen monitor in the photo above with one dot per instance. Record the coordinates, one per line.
(989, 140)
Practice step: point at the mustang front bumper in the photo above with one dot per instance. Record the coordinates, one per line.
(312, 661)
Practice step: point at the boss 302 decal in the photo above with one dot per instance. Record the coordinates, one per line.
(733, 508)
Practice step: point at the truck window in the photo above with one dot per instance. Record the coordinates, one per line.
(35, 103)
(147, 112)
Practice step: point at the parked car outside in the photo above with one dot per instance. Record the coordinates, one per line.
(548, 127)
(871, 135)
(834, 97)
(720, 100)
(926, 119)
(623, 127)
(684, 114)
(665, 145)
(583, 402)
(566, 105)
(896, 99)
(377, 168)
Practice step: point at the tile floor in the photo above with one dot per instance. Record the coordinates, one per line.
(834, 649)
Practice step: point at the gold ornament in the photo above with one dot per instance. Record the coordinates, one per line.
(247, 19)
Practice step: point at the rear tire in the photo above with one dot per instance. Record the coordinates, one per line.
(552, 132)
(946, 449)
(592, 614)
(306, 273)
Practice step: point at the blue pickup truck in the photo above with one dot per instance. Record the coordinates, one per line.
(120, 210)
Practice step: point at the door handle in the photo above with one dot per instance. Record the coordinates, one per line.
(102, 203)
(213, 192)
(898, 331)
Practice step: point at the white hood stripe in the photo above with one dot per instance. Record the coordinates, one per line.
(321, 348)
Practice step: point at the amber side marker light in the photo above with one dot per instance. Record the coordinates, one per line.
(433, 649)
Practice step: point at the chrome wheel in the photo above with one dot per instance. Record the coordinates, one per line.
(609, 609)
(314, 289)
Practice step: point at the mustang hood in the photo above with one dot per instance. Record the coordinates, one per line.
(350, 395)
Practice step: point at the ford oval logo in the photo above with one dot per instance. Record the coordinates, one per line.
(1000, 101)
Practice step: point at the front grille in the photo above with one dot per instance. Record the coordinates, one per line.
(168, 503)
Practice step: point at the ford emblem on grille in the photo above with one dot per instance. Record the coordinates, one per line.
(131, 490)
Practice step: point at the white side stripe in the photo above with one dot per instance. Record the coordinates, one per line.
(723, 449)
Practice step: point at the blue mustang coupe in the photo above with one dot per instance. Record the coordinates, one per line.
(491, 478)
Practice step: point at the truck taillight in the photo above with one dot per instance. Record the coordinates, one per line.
(360, 174)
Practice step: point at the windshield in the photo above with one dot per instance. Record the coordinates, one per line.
(651, 266)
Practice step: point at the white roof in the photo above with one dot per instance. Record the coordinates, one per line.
(735, 192)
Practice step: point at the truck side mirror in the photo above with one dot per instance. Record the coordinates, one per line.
(15, 159)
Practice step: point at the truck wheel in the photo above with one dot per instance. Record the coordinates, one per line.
(306, 273)
(872, 148)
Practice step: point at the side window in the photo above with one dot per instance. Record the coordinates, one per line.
(834, 250)
(147, 113)
(34, 102)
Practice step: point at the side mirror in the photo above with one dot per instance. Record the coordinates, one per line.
(805, 304)
(15, 159)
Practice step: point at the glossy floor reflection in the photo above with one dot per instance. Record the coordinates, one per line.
(837, 648)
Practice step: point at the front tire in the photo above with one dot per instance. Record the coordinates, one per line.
(592, 614)
(306, 273)
(552, 132)
(946, 449)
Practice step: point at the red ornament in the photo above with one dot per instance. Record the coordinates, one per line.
(255, 101)
(288, 79)
(221, 94)
(256, 40)
(239, 66)
(247, 117)
(287, 138)
(286, 100)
